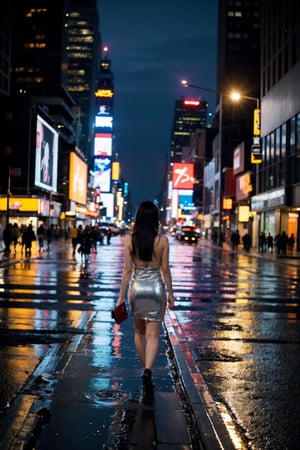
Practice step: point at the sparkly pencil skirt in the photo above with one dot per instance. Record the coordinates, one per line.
(147, 294)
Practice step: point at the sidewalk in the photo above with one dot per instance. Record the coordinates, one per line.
(288, 258)
(74, 400)
(86, 393)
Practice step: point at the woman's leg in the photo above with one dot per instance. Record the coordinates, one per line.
(139, 339)
(152, 343)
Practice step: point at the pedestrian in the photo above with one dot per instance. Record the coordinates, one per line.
(74, 238)
(108, 236)
(235, 240)
(291, 242)
(270, 243)
(147, 276)
(49, 234)
(246, 242)
(278, 243)
(28, 237)
(15, 235)
(262, 240)
(41, 236)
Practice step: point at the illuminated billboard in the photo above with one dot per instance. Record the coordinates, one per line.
(103, 144)
(46, 156)
(103, 121)
(183, 176)
(77, 179)
(102, 173)
(115, 171)
(108, 203)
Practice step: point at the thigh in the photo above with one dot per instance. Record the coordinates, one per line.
(139, 326)
(153, 328)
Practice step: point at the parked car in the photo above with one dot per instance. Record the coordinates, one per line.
(187, 233)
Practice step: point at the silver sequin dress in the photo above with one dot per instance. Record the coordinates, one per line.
(147, 294)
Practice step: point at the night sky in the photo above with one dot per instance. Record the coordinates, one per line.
(153, 45)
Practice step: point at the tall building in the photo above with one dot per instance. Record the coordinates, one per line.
(67, 59)
(277, 203)
(238, 69)
(41, 31)
(190, 114)
(178, 196)
(83, 57)
(39, 73)
(39, 57)
(5, 46)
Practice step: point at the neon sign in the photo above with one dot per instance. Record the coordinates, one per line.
(104, 93)
(192, 102)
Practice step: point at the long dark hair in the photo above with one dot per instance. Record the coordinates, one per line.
(144, 230)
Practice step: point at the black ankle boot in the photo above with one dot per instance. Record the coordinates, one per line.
(147, 380)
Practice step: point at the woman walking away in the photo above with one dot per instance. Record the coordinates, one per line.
(147, 276)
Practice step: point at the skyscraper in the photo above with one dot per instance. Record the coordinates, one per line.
(66, 59)
(83, 58)
(5, 46)
(238, 69)
(190, 114)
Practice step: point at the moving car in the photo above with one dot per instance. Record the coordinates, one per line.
(188, 233)
(104, 226)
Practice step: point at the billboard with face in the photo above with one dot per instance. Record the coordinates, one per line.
(46, 156)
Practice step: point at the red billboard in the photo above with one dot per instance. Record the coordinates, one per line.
(183, 176)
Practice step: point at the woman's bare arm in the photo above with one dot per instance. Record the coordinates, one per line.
(165, 268)
(127, 270)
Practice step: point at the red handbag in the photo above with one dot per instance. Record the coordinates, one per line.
(119, 313)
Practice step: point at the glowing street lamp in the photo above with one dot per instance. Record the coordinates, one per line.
(220, 110)
(236, 96)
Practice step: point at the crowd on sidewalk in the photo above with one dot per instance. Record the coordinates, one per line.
(14, 237)
(281, 244)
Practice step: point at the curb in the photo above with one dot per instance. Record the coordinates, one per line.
(207, 416)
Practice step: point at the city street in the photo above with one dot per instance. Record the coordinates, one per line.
(236, 322)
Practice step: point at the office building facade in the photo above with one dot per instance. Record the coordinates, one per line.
(39, 89)
(238, 69)
(277, 203)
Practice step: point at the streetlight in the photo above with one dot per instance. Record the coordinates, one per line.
(236, 96)
(220, 110)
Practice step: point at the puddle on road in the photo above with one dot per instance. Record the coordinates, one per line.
(105, 397)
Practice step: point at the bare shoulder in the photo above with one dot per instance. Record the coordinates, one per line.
(162, 240)
(128, 241)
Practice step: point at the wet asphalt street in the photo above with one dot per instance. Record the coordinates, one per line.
(234, 336)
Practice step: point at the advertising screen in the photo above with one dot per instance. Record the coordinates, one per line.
(108, 203)
(183, 176)
(46, 156)
(77, 179)
(103, 144)
(103, 121)
(102, 173)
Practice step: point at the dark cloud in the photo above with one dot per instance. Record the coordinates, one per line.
(153, 46)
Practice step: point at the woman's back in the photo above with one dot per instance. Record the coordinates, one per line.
(160, 247)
